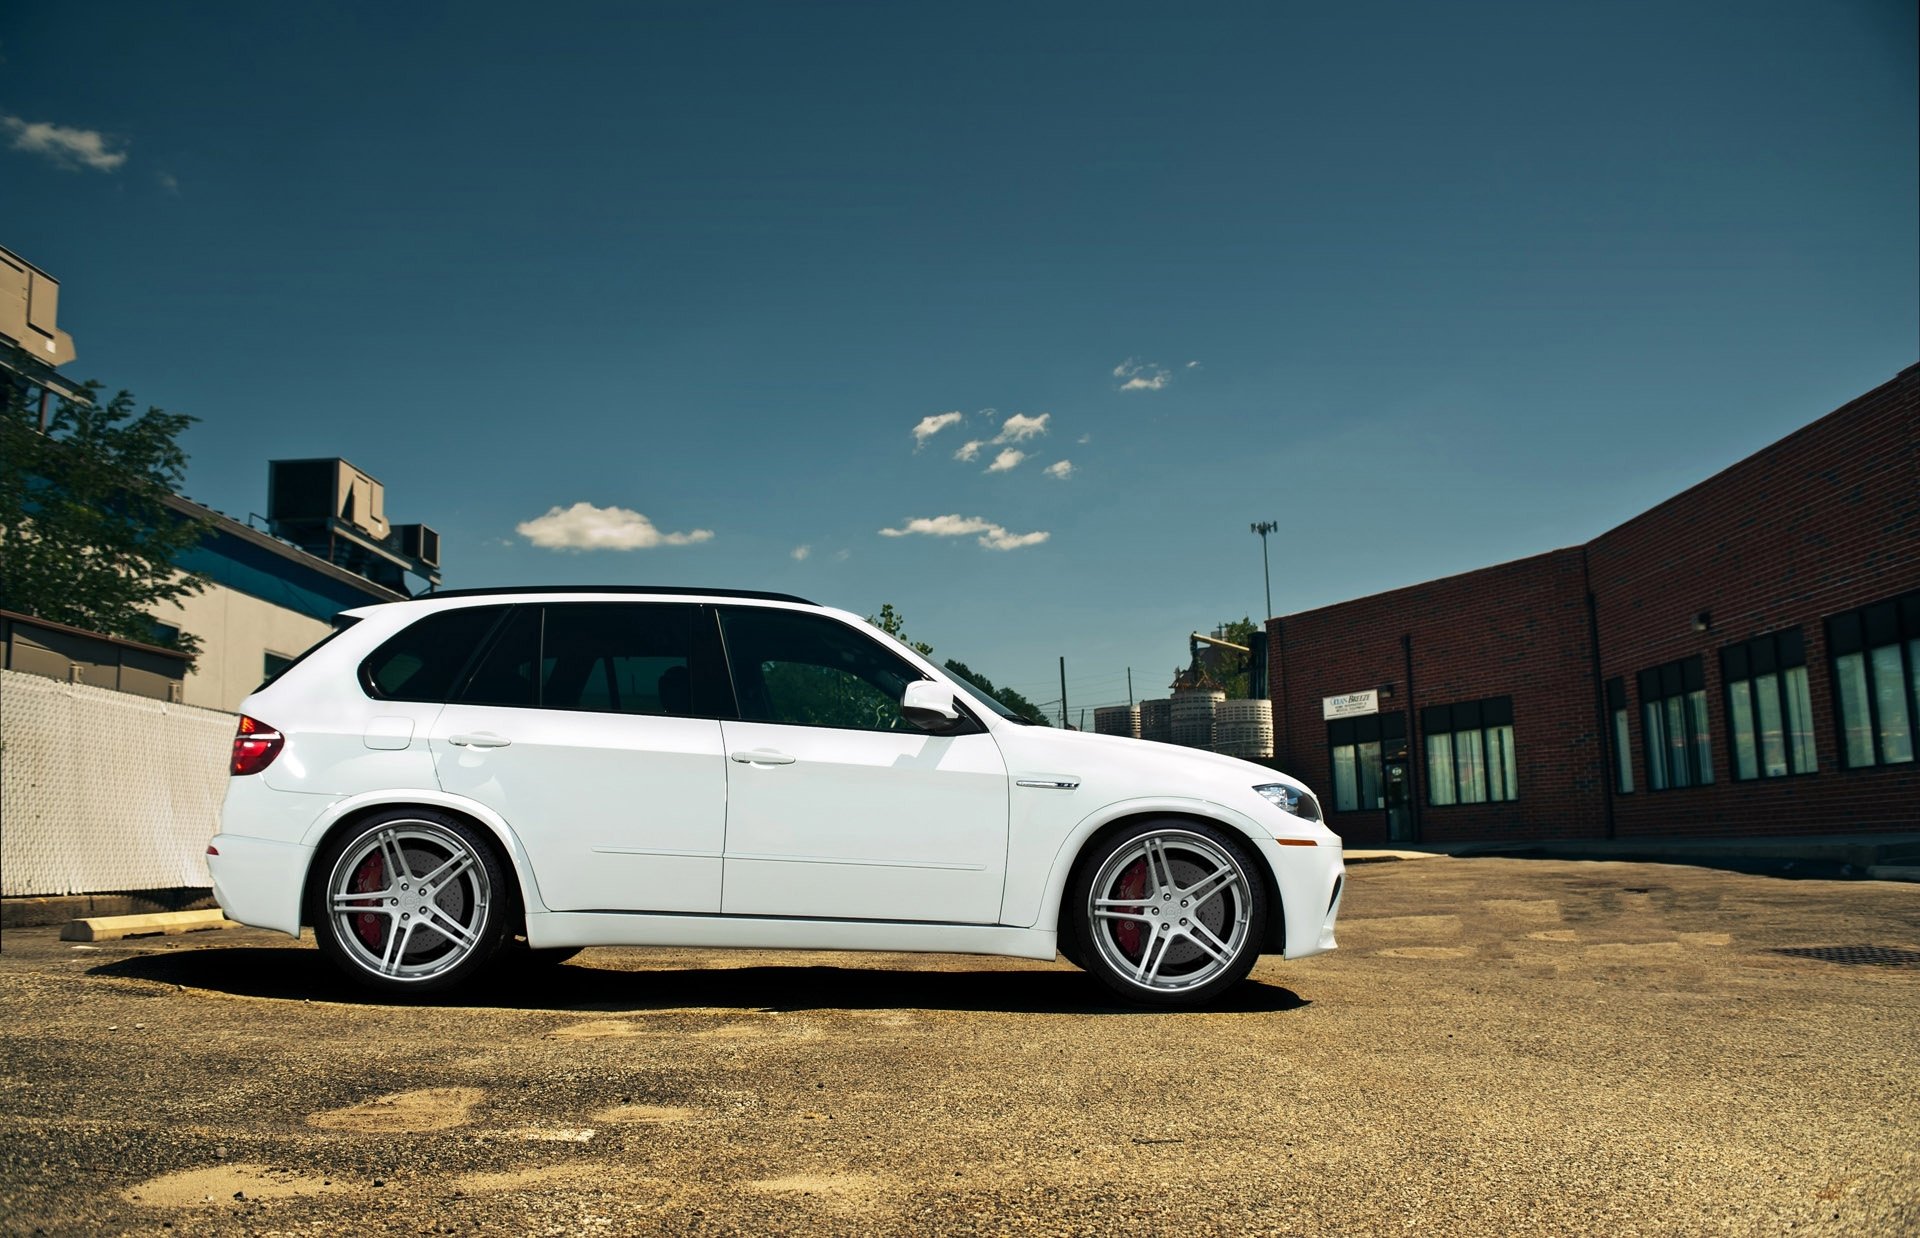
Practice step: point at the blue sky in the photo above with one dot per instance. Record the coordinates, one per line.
(1432, 286)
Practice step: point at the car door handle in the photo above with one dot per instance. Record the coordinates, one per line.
(763, 756)
(479, 739)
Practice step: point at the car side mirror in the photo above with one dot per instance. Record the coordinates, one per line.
(929, 706)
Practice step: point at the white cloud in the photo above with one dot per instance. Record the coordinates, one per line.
(1018, 428)
(940, 526)
(1193, 365)
(1062, 469)
(1141, 375)
(842, 555)
(168, 182)
(1005, 460)
(991, 535)
(586, 527)
(970, 449)
(69, 148)
(932, 424)
(998, 538)
(1084, 439)
(800, 553)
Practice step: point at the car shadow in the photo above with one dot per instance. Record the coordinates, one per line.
(294, 974)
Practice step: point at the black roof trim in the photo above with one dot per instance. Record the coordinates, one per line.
(756, 594)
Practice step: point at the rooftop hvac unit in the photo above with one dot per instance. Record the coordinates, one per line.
(304, 492)
(420, 543)
(29, 300)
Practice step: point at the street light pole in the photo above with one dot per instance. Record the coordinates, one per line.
(1266, 571)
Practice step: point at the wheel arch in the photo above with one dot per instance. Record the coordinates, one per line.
(1079, 849)
(348, 813)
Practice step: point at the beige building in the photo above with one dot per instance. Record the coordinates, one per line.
(266, 603)
(269, 596)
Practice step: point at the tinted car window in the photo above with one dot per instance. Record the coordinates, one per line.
(505, 675)
(809, 670)
(423, 662)
(623, 658)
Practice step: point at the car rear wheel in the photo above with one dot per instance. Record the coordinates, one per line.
(1169, 913)
(413, 901)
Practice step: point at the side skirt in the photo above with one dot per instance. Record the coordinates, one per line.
(622, 928)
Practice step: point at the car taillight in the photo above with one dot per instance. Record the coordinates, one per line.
(255, 745)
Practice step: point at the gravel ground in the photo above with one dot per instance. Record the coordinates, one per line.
(1499, 1047)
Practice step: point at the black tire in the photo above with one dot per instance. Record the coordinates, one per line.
(1068, 942)
(428, 929)
(1167, 913)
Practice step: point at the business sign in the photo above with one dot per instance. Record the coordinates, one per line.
(1350, 704)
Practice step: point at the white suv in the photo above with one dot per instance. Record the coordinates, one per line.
(683, 767)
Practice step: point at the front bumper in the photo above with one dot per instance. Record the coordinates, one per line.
(1311, 882)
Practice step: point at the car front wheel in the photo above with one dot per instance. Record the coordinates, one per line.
(1169, 913)
(413, 901)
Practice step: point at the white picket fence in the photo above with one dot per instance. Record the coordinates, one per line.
(103, 791)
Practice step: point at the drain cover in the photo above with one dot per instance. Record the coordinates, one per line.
(1876, 956)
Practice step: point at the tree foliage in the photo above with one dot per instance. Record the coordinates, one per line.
(893, 624)
(86, 537)
(1006, 696)
(890, 622)
(1223, 668)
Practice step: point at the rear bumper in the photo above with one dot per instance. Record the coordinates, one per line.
(257, 881)
(1311, 881)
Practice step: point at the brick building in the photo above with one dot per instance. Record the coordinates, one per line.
(1744, 658)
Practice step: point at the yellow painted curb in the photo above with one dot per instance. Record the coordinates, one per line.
(165, 923)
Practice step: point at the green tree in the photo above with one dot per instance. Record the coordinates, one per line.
(1227, 668)
(890, 621)
(893, 624)
(1006, 696)
(86, 537)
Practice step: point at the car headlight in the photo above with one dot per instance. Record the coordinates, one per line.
(1290, 799)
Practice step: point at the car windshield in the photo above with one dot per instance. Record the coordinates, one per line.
(979, 694)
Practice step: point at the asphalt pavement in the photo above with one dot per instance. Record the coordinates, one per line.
(1500, 1046)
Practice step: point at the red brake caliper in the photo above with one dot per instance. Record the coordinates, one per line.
(370, 879)
(1132, 885)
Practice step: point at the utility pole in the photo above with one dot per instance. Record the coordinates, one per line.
(1129, 686)
(1063, 691)
(1263, 528)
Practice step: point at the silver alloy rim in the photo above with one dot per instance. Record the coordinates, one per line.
(409, 900)
(1169, 911)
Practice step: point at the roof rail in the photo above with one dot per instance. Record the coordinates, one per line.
(756, 594)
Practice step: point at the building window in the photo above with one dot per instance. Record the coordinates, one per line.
(1470, 752)
(1673, 707)
(1356, 744)
(1622, 747)
(1876, 680)
(1769, 714)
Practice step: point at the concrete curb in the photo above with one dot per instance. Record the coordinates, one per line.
(38, 911)
(164, 924)
(1855, 857)
(1381, 856)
